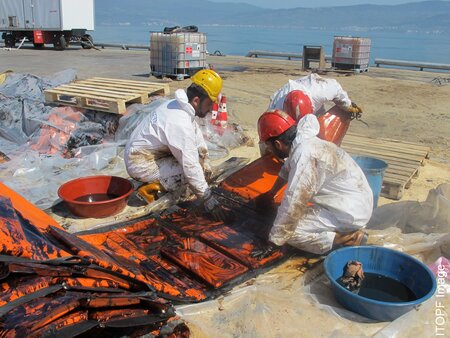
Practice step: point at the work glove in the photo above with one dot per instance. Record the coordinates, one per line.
(262, 250)
(354, 109)
(265, 205)
(264, 201)
(356, 238)
(207, 171)
(216, 209)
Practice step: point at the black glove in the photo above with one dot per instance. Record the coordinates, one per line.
(216, 209)
(264, 201)
(262, 250)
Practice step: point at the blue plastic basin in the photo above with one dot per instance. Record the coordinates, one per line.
(373, 168)
(389, 263)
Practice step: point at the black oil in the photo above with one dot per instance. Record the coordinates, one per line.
(96, 198)
(384, 289)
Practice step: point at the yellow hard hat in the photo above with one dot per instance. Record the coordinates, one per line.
(210, 81)
(3, 75)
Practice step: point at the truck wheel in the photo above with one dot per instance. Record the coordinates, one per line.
(59, 42)
(10, 41)
(87, 42)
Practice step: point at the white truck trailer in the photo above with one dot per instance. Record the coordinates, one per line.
(57, 22)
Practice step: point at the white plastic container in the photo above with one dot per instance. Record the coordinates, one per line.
(177, 54)
(54, 15)
(351, 53)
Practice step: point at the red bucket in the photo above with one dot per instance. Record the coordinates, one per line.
(96, 196)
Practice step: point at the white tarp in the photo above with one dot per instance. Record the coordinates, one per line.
(287, 303)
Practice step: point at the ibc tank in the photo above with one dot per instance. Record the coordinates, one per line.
(351, 53)
(177, 54)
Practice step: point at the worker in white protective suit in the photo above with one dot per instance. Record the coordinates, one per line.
(168, 148)
(307, 95)
(327, 199)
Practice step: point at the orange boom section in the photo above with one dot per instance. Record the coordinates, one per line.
(33, 214)
(255, 179)
(23, 228)
(53, 283)
(125, 276)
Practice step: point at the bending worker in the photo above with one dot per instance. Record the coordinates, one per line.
(307, 95)
(168, 148)
(327, 200)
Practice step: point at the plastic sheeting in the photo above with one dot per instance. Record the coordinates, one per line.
(38, 177)
(265, 309)
(418, 228)
(286, 303)
(48, 146)
(218, 140)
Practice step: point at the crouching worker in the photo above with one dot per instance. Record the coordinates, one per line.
(167, 147)
(327, 200)
(308, 94)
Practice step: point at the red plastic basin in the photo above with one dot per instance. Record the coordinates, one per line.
(96, 196)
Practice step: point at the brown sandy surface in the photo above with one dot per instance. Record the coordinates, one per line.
(399, 104)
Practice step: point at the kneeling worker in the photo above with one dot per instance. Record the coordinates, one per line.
(327, 199)
(168, 148)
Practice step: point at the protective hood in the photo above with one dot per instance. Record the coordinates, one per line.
(307, 128)
(183, 101)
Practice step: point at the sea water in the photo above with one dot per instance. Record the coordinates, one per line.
(239, 40)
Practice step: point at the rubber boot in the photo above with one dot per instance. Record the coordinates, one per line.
(356, 238)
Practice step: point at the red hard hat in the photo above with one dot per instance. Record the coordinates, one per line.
(297, 104)
(273, 123)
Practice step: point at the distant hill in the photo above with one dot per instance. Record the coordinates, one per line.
(420, 16)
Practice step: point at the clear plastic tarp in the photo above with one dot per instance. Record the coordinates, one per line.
(50, 145)
(288, 303)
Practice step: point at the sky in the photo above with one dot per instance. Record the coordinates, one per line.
(316, 3)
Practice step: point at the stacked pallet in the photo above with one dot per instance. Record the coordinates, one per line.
(404, 160)
(105, 94)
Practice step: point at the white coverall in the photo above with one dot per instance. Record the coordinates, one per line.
(318, 171)
(319, 90)
(168, 146)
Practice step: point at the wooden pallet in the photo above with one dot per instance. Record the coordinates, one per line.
(105, 94)
(404, 160)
